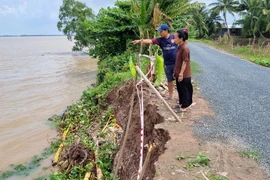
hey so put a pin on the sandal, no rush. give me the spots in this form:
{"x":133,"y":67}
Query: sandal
{"x":168,"y":98}
{"x":177,"y":110}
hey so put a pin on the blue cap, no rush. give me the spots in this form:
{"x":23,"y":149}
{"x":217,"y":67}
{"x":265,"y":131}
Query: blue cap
{"x":163,"y":27}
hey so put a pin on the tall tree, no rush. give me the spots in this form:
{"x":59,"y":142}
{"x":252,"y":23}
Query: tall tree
{"x":106,"y":34}
{"x":149,"y":14}
{"x":224,"y":7}
{"x":200,"y":16}
{"x":112,"y":30}
{"x":71,"y":14}
{"x":250,"y":18}
{"x":257,"y":14}
{"x":213,"y":23}
{"x":265,"y":15}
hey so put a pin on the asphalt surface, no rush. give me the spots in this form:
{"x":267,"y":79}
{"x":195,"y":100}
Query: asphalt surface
{"x":239,"y":94}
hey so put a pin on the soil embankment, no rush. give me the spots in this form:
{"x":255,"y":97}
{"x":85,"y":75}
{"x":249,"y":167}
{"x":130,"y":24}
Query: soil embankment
{"x":175,"y":145}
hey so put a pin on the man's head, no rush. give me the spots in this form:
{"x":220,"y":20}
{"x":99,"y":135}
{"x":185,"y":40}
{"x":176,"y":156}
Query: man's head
{"x":163,"y":30}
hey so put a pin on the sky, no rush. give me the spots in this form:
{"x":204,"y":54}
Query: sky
{"x":40,"y":17}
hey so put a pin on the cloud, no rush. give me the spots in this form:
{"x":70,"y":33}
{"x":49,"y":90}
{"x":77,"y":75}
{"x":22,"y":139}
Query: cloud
{"x":41,"y":16}
{"x":5,"y":11}
{"x":96,"y":5}
{"x":13,"y":9}
{"x":37,"y":16}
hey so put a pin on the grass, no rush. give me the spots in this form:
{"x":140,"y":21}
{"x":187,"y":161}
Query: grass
{"x":250,"y":154}
{"x":215,"y":177}
{"x":256,"y":55}
{"x":200,"y":161}
{"x":195,"y":68}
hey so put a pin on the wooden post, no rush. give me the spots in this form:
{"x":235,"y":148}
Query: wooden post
{"x":157,"y":93}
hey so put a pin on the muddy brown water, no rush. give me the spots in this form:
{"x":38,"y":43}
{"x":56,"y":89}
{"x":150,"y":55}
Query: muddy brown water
{"x":40,"y":77}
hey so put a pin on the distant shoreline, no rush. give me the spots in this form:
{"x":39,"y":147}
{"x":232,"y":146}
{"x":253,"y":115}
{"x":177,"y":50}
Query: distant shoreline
{"x":27,"y":35}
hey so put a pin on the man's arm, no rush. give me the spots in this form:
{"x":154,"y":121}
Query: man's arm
{"x":144,"y":41}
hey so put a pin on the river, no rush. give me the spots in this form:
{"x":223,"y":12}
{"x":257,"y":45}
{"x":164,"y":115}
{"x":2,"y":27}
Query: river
{"x":40,"y":77}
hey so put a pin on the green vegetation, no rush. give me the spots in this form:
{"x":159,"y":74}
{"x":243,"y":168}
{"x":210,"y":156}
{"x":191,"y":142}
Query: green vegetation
{"x":91,"y":110}
{"x":215,"y":177}
{"x":180,"y":157}
{"x":107,"y":35}
{"x":200,"y":160}
{"x":224,"y":7}
{"x":257,"y":55}
{"x":250,"y":153}
{"x":195,"y":68}
{"x":25,"y":169}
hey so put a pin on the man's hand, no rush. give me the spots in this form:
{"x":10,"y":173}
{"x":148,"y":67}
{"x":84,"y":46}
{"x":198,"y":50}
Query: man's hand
{"x":136,"y":41}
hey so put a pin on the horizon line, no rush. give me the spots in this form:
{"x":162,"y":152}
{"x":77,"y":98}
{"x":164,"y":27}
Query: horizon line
{"x":23,"y":35}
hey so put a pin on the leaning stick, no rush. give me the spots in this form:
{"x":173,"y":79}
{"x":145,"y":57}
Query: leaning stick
{"x":146,"y":161}
{"x":89,"y":173}
{"x":157,"y":93}
{"x":98,"y":169}
{"x":121,"y":151}
{"x":204,"y":175}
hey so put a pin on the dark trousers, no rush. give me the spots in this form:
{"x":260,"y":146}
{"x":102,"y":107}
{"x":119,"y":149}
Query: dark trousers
{"x":185,"y":92}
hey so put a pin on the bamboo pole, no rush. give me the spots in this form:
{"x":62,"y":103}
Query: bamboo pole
{"x":98,"y":169}
{"x":60,"y":148}
{"x":89,"y":173}
{"x":157,"y":93}
{"x":121,"y":151}
{"x":146,"y":161}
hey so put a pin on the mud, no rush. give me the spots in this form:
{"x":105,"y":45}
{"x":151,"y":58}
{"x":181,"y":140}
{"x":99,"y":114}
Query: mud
{"x":173,"y":139}
{"x":120,"y":99}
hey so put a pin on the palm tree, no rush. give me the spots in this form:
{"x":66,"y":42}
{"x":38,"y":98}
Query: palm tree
{"x":265,"y":15}
{"x":213,"y":23}
{"x":251,"y":18}
{"x":149,"y":14}
{"x":200,"y":16}
{"x":141,"y":16}
{"x":224,"y":6}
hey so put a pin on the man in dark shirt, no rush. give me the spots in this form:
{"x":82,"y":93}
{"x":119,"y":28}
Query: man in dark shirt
{"x":169,"y":50}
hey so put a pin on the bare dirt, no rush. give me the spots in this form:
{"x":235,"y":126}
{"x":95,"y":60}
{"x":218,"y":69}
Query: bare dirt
{"x":172,"y":140}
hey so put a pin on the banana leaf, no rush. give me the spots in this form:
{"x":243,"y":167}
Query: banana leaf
{"x":132,"y":67}
{"x":160,"y":73}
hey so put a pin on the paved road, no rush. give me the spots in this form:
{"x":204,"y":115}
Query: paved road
{"x":239,"y":93}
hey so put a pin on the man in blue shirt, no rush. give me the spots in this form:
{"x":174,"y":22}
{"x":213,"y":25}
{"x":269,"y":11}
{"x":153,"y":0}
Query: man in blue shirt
{"x":169,"y":50}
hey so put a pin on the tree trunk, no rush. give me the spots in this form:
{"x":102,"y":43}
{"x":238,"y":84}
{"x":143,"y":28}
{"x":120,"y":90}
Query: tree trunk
{"x":254,"y":39}
{"x":225,"y":19}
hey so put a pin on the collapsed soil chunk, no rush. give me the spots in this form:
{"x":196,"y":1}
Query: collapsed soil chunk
{"x":75,"y":155}
{"x":120,"y":98}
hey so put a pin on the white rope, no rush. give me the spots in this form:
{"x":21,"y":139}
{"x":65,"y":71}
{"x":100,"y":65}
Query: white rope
{"x":140,"y":97}
{"x":152,"y":63}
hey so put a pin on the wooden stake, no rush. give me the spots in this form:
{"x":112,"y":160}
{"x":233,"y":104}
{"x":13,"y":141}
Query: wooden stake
{"x":146,"y":161}
{"x":121,"y":151}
